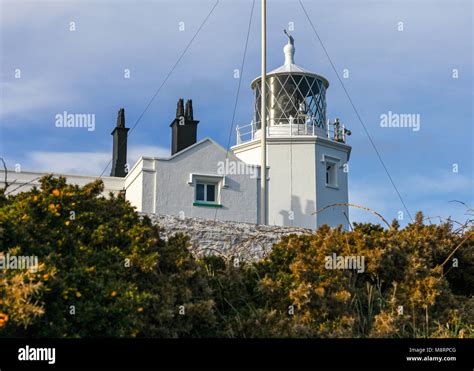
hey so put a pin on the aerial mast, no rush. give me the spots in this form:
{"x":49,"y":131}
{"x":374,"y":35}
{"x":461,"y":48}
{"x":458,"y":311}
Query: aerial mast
{"x":263,"y":118}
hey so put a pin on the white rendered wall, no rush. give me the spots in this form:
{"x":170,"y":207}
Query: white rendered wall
{"x":162,"y":185}
{"x":248,"y":152}
{"x":327,"y":195}
{"x":292,"y":184}
{"x":27,"y":180}
{"x":300,"y":190}
{"x":134,"y":184}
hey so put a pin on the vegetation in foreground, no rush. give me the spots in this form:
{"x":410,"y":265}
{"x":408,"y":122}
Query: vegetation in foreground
{"x":103,"y":271}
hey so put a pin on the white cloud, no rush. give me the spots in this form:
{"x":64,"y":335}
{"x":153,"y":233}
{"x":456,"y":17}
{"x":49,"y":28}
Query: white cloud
{"x":84,"y":163}
{"x":22,"y":97}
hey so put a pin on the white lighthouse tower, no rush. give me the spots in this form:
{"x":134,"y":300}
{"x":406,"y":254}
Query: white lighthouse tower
{"x":307,"y":157}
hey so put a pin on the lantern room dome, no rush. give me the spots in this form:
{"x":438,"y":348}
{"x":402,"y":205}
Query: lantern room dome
{"x":289,"y":66}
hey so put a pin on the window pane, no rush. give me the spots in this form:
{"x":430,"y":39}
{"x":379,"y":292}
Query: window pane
{"x":211,"y":193}
{"x":199,"y":192}
{"x":331,"y":170}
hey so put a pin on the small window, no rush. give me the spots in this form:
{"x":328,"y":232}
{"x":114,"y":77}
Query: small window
{"x":206,"y":192}
{"x":331,"y":175}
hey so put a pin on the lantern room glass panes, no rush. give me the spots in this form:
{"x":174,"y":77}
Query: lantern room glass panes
{"x":299,"y":98}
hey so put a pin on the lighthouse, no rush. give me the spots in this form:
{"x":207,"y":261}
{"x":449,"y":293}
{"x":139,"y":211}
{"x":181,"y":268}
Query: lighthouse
{"x":307,"y":155}
{"x":304,"y":181}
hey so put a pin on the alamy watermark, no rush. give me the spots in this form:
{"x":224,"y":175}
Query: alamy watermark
{"x":28,"y":353}
{"x":354,"y":262}
{"x":400,"y":120}
{"x":8,"y":261}
{"x":75,"y":120}
{"x":230,"y":167}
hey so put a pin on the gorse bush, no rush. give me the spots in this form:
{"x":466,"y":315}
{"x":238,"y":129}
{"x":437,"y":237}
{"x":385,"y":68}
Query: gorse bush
{"x":104,"y":271}
{"x":404,"y":291}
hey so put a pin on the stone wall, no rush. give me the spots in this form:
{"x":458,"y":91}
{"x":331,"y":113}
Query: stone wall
{"x":244,"y":241}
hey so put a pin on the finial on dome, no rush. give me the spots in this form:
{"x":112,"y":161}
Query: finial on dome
{"x":291,"y":40}
{"x":289,"y":49}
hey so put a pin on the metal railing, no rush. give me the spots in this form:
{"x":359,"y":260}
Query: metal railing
{"x":331,"y":131}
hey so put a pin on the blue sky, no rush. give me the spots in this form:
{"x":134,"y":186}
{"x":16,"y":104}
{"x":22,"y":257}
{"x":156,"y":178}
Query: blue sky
{"x":407,"y":72}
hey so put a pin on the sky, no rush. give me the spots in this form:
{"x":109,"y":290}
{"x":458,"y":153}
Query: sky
{"x":405,"y":57}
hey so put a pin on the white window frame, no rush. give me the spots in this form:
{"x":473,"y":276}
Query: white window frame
{"x":206,"y":184}
{"x":217,"y":180}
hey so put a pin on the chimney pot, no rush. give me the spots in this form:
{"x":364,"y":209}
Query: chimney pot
{"x":121,"y":118}
{"x":180,"y":108}
{"x":189,"y":109}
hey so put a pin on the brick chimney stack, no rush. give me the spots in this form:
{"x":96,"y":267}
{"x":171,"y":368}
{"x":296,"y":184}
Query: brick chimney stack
{"x":119,"y":154}
{"x":183,"y":127}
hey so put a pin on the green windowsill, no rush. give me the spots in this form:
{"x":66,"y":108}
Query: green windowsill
{"x":206,"y":204}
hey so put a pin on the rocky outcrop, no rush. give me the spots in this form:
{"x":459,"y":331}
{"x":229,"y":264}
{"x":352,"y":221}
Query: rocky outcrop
{"x":231,"y":240}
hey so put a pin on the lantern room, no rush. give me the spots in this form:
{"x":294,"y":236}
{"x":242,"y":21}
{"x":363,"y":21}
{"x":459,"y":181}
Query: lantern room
{"x":295,"y":101}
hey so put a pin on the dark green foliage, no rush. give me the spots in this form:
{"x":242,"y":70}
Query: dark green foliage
{"x":103,"y":271}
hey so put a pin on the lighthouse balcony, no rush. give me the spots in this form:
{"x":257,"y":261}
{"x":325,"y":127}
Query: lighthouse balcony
{"x":252,"y":131}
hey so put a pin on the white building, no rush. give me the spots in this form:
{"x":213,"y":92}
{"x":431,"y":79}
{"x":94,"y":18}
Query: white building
{"x":307,"y":161}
